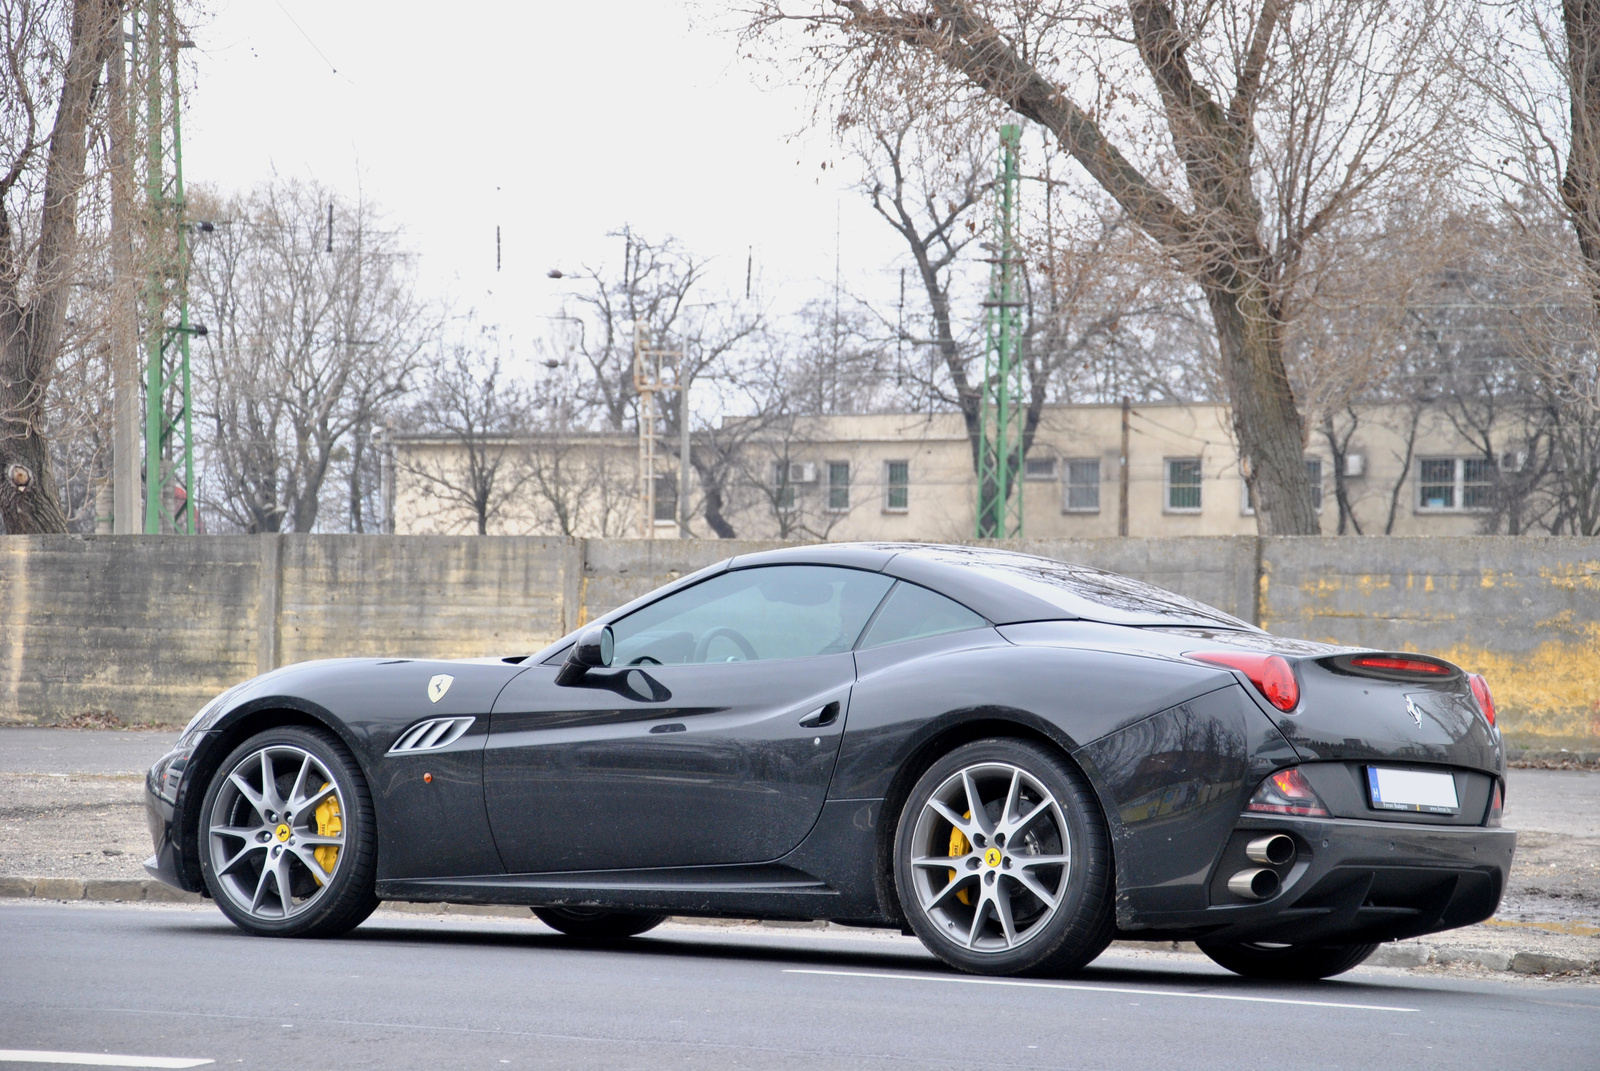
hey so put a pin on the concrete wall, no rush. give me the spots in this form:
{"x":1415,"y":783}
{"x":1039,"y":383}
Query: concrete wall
{"x":1524,"y":611}
{"x":149,"y":628}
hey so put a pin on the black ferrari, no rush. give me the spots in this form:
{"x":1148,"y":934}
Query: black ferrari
{"x":1014,"y":758}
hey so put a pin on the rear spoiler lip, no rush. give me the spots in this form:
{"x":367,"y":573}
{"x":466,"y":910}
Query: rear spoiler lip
{"x":1342,"y":665}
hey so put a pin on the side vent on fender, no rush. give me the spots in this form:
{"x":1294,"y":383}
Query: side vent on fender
{"x":431,"y":735}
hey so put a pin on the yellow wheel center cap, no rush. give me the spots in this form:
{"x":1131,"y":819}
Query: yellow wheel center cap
{"x":282,"y":832}
{"x":991,"y":857}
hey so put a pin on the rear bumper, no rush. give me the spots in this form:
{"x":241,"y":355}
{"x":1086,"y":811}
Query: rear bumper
{"x":1355,"y":881}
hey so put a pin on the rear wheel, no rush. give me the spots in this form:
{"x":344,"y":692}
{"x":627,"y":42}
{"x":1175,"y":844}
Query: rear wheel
{"x":288,"y":842}
{"x":1287,"y":963}
{"x":1002,"y":862}
{"x":595,"y":924}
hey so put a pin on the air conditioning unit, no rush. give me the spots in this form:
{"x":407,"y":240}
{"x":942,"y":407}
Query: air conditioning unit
{"x":802,"y":472}
{"x":1513,"y":460}
{"x":1355,"y":465}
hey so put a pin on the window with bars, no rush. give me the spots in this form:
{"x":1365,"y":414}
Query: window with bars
{"x":1183,"y":484}
{"x":838,"y":486}
{"x":897,"y":487}
{"x":1082,"y":493}
{"x":1039,"y":468}
{"x":1454,"y":483}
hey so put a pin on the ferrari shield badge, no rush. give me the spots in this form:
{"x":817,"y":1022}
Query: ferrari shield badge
{"x":439,"y":685}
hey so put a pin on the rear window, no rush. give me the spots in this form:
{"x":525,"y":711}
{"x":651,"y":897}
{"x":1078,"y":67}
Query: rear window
{"x":1091,"y":594}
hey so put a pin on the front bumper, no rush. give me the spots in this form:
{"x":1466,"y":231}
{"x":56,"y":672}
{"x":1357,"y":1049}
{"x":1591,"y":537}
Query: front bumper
{"x":1355,"y":881}
{"x":166,"y":793}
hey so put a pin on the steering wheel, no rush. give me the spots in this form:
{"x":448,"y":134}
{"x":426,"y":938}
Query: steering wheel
{"x":645,"y":660}
{"x":704,"y":646}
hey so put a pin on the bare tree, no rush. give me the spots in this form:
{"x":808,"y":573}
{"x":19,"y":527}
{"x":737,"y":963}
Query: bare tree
{"x":312,"y":330}
{"x":654,"y":298}
{"x":1234,"y":135}
{"x":470,"y":404}
{"x":52,"y":60}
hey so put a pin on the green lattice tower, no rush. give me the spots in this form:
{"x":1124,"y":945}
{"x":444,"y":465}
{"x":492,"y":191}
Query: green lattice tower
{"x":164,"y":330}
{"x":1002,"y":402}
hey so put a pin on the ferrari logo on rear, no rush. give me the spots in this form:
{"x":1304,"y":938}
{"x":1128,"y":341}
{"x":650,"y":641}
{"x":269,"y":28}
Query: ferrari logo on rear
{"x":1411,"y":708}
{"x":439,"y":685}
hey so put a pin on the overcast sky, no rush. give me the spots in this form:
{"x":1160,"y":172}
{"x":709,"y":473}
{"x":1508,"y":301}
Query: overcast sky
{"x":558,"y":122}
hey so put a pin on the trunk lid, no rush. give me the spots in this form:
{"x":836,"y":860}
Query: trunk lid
{"x":1352,"y":707}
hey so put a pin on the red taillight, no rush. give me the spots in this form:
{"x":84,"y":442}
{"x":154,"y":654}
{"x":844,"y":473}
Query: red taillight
{"x":1287,"y":792}
{"x":1401,"y":665}
{"x":1480,"y":692}
{"x":1271,"y":674}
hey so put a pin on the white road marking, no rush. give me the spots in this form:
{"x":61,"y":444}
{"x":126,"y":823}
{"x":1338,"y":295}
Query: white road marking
{"x":1100,"y":989}
{"x":94,"y":1059}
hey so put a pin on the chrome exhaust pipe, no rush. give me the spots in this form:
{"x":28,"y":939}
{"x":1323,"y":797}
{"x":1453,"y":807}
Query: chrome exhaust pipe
{"x":1254,"y":884}
{"x":1274,"y":849}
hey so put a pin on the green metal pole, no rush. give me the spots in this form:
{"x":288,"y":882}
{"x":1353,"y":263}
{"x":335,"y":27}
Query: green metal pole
{"x":1002,"y":390}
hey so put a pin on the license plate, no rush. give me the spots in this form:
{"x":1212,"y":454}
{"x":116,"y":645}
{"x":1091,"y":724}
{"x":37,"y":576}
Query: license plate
{"x":1412,"y":790}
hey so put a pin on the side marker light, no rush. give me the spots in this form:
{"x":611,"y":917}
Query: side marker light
{"x":427,"y":779}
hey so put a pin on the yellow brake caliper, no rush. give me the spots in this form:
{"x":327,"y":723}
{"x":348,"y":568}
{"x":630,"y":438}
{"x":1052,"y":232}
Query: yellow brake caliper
{"x":329,"y":824}
{"x":959,"y":846}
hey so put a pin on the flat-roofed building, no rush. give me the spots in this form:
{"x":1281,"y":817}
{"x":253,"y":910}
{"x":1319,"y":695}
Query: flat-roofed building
{"x":909,"y":476}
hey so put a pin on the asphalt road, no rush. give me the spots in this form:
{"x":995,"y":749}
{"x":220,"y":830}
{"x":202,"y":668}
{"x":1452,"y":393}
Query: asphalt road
{"x":405,"y":992}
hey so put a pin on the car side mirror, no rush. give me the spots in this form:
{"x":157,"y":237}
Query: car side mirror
{"x":592,"y":651}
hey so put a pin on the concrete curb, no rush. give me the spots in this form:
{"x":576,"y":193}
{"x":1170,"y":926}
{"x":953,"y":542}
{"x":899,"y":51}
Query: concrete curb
{"x":1405,"y":954}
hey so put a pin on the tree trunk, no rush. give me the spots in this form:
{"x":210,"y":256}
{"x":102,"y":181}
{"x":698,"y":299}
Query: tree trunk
{"x":711,"y":491}
{"x":30,"y":329}
{"x":1265,"y":420}
{"x":1580,"y":186}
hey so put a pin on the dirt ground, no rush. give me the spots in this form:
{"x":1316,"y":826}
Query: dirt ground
{"x":73,"y":826}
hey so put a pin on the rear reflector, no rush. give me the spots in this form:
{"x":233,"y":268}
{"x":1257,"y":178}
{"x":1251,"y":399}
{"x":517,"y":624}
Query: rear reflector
{"x":1287,"y":792}
{"x":1480,"y":692}
{"x":1400,"y":664}
{"x":1271,"y":674}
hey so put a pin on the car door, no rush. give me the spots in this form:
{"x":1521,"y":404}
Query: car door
{"x":711,"y":739}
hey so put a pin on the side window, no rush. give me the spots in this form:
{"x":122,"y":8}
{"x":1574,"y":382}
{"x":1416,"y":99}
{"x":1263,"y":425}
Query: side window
{"x":912,"y":613}
{"x":779,"y":611}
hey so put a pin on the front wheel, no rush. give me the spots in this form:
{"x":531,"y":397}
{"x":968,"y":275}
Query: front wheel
{"x":595,"y":924}
{"x":1285,"y":963}
{"x":288,"y":842}
{"x":1002,"y":861}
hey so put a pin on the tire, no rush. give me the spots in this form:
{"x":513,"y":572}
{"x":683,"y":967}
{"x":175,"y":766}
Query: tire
{"x":299,"y":859}
{"x":1286,"y":963}
{"x":594,"y":924}
{"x":1045,"y":806}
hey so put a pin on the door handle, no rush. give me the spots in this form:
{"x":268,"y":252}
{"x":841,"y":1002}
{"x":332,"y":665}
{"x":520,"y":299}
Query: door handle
{"x":823,"y":715}
{"x":670,"y":727}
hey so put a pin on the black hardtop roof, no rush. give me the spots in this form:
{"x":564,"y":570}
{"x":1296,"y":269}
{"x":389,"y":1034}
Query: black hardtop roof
{"x":1007,"y":586}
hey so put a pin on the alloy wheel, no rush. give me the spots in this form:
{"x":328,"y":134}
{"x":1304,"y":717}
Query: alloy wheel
{"x":275,"y":832}
{"x":991,"y":857}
